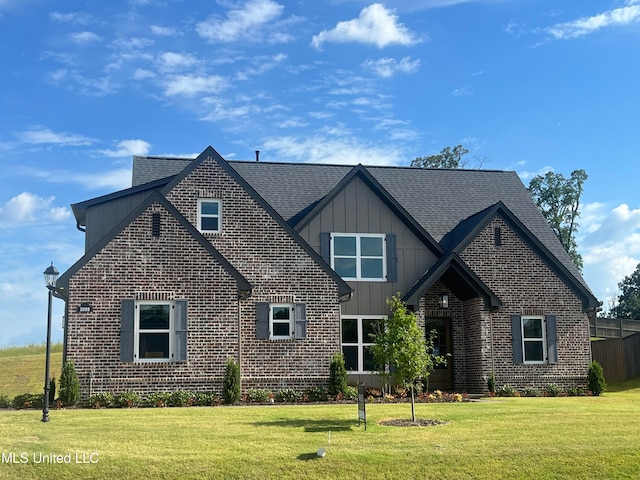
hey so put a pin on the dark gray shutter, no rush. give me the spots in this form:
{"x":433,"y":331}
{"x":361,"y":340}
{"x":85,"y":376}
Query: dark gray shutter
{"x":180,"y":327}
{"x":552,"y":339}
{"x":300,"y":316}
{"x":516,"y":338}
{"x":127,"y":320}
{"x":392,"y":258}
{"x":263,"y":321}
{"x":325,"y":247}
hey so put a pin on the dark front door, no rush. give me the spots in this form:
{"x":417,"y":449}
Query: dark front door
{"x":442,"y":377}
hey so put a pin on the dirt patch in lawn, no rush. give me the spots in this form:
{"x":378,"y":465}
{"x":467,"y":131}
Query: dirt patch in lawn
{"x":405,"y":422}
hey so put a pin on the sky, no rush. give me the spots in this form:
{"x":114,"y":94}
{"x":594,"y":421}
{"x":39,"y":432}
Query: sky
{"x":526,"y":85}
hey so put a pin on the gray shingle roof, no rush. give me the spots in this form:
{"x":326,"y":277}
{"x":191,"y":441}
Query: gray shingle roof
{"x":438,"y":199}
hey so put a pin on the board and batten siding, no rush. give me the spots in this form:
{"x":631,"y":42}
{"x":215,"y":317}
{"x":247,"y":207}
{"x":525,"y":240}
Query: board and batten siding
{"x":358,"y":209}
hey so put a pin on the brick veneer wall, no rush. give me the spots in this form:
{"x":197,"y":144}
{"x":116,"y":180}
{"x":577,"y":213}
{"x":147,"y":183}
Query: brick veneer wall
{"x":134,"y":265}
{"x":280,"y":272}
{"x":526,"y":285}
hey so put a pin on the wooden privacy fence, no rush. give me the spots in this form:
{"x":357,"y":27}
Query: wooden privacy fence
{"x":613,"y":327}
{"x":619,"y":357}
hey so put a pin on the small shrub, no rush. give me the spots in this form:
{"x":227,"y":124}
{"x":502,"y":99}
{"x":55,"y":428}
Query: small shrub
{"x":491,"y":383}
{"x":101,"y":400}
{"x":181,"y":398}
{"x":552,"y":390}
{"x":127,"y":400}
{"x":5,"y":401}
{"x":316,"y":394}
{"x":288,"y":395}
{"x":158,"y":399}
{"x":259,"y":395}
{"x":205,"y":399}
{"x":350,"y":393}
{"x":28,"y":400}
{"x":231,"y":382}
{"x":595,"y":378}
{"x":531,"y":392}
{"x":337,"y":375}
{"x":69,"y":385}
{"x":506,"y":391}
{"x":576,"y":392}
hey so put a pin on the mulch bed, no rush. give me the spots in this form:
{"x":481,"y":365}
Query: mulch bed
{"x":420,"y":422}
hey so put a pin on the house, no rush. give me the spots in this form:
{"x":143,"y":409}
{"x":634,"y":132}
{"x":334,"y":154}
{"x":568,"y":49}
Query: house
{"x":281,"y":265}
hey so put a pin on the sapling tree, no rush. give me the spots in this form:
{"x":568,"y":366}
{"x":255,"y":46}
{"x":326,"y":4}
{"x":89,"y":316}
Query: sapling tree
{"x":402,"y":351}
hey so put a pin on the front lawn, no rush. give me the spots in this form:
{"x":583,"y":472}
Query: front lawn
{"x":573,"y":437}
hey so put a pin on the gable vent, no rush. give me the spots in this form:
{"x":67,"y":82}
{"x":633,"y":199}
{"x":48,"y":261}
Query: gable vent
{"x":155,"y":225}
{"x":497,"y":236}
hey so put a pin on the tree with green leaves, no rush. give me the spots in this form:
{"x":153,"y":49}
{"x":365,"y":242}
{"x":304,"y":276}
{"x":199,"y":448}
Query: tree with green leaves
{"x":401,"y":346}
{"x":558,"y":198}
{"x":628,"y":305}
{"x":69,"y":391}
{"x":447,"y":158}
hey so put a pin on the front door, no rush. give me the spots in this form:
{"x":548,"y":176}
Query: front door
{"x":442,"y":376}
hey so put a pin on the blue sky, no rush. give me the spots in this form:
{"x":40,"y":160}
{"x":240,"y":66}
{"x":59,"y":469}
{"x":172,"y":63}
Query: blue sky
{"x":525,"y":85}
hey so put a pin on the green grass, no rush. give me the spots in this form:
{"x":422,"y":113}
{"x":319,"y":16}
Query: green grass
{"x":542,"y":438}
{"x":22,"y":368}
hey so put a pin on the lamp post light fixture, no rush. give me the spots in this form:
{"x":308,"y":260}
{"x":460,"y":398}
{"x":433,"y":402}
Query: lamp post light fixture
{"x":50,"y":278}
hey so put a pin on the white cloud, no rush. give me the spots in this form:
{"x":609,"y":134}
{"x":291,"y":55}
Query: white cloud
{"x":462,"y":92}
{"x":76,"y":18}
{"x":192,"y":85}
{"x":525,"y":175}
{"x":85,"y":38}
{"x":388,"y":67}
{"x":242,"y":22}
{"x":27,"y":208}
{"x":376,"y":25}
{"x":128,"y":148}
{"x":176,"y":61}
{"x":334,"y":145}
{"x":626,"y":15}
{"x":39,"y":135}
{"x":609,"y":243}
{"x":261,"y":65}
{"x":142,"y":74}
{"x":111,"y":180}
{"x":163,"y":31}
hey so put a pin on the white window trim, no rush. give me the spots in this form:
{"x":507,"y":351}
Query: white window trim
{"x":137,"y":331}
{"x":542,"y":339}
{"x":359,"y":258}
{"x":291,"y":322}
{"x":201,"y":216}
{"x":361,"y":343}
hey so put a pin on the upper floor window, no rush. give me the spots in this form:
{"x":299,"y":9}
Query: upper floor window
{"x":360,"y":256}
{"x":209,"y":215}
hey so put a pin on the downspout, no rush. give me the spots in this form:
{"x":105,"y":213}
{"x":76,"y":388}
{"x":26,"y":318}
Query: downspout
{"x":242,"y":295}
{"x":79,"y":227}
{"x":59,"y":293}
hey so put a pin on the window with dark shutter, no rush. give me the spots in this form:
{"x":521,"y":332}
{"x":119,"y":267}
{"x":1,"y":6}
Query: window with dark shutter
{"x":516,"y":338}
{"x":180,"y":327}
{"x":127,"y":326}
{"x":392,"y":258}
{"x":300,"y":315}
{"x":262,"y":317}
{"x":552,"y":339}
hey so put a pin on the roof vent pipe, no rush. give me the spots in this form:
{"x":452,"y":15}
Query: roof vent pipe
{"x":257,"y":155}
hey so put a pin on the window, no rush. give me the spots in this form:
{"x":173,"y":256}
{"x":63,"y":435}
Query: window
{"x":153,"y":331}
{"x":356,"y":342}
{"x":209,"y":215}
{"x":533,"y":343}
{"x":359,"y":256}
{"x":281,"y":321}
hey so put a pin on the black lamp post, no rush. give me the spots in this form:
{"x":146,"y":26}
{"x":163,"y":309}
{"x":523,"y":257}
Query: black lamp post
{"x":50,"y":277}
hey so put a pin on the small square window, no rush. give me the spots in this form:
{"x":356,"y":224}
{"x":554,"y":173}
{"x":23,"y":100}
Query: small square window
{"x":209,"y":215}
{"x":281,"y":320}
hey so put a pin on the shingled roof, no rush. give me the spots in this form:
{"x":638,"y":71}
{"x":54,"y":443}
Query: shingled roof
{"x":438,"y":199}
